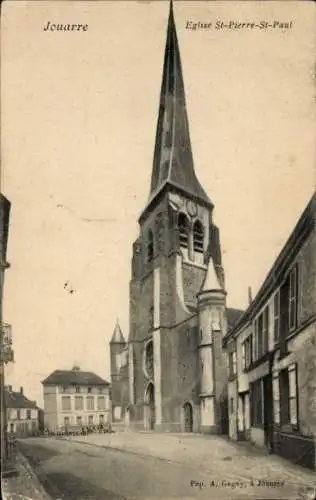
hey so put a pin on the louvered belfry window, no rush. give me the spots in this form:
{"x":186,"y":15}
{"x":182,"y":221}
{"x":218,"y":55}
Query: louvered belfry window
{"x":198,"y":237}
{"x":183,"y":225}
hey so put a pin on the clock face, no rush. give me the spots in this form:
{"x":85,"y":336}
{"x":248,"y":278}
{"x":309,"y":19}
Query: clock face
{"x":192,"y":208}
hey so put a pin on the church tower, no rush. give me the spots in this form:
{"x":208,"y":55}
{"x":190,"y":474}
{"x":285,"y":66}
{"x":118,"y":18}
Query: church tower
{"x":177,"y":237}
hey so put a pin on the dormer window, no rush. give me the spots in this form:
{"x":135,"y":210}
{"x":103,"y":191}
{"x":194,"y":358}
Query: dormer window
{"x":198,"y":237}
{"x":183,"y":225}
{"x":150,"y":246}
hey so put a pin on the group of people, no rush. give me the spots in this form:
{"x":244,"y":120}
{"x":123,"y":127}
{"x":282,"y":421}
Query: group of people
{"x":79,"y":431}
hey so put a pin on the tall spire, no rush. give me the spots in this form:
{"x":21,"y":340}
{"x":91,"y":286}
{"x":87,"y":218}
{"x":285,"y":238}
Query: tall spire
{"x":173,"y":159}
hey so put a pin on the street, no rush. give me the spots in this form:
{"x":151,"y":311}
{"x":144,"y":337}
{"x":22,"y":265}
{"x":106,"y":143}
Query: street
{"x":150,"y":466}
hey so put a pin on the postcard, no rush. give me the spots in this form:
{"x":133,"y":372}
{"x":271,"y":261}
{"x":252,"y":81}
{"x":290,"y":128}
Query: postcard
{"x":158,"y":249}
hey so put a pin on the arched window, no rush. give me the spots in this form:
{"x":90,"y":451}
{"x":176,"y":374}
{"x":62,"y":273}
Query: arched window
{"x":183,"y":225}
{"x":198,"y":237}
{"x":150,"y":246}
{"x":149,"y":359}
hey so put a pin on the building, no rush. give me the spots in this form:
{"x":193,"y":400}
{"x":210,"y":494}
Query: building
{"x":6,"y":353}
{"x":272,"y":354}
{"x":75,"y":398}
{"x":22,"y":414}
{"x":170,"y":374}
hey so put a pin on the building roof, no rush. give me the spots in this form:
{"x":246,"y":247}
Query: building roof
{"x":173,"y":158}
{"x":117,"y":337}
{"x":18,"y":400}
{"x":73,"y":377}
{"x":233,"y":316}
{"x":300,"y":233}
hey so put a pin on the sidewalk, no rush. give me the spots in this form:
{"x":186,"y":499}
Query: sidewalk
{"x":24,"y":486}
{"x":212,"y":454}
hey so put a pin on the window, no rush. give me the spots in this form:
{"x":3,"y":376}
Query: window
{"x":276,"y":398}
{"x":101,"y":419}
{"x":77,"y":388}
{"x":64,"y":389}
{"x":101,"y":390}
{"x":261,"y":334}
{"x":183,"y":225}
{"x":28,"y":414}
{"x":78,"y":403}
{"x":18,"y":416}
{"x":265,"y":330}
{"x":288,"y":307}
{"x":101,"y":403}
{"x":247,"y":353}
{"x":90,"y":419}
{"x":151,"y":317}
{"x":288,"y":396}
{"x":89,"y":390}
{"x":243,"y":355}
{"x":257,"y":403}
{"x":66,"y":421}
{"x":276,"y":301}
{"x":150,"y":246}
{"x":65,"y":403}
{"x":293,"y":407}
{"x":255,"y":342}
{"x":79,"y":420}
{"x":232,"y":363}
{"x":293,"y":298}
{"x":90,"y":403}
{"x":13,"y":414}
{"x":198,"y":237}
{"x":231,"y":405}
{"x":149,"y":359}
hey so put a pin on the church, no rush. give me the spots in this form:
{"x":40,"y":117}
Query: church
{"x":170,"y":373}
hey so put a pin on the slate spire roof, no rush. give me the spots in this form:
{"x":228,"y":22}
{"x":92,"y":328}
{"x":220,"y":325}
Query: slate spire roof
{"x":173,"y":159}
{"x":117,"y":337}
{"x":211,"y":280}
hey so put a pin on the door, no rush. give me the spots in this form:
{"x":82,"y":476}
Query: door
{"x":268,"y":412}
{"x":150,"y":400}
{"x":241,"y":418}
{"x":188,"y":417}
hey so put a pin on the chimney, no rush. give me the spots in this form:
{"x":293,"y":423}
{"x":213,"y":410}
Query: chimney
{"x":249,"y":295}
{"x":21,"y":390}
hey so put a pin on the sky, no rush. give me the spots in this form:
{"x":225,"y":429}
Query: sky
{"x":78,"y":120}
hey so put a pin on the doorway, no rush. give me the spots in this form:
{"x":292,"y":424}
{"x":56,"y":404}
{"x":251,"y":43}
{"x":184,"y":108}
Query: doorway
{"x":188,"y":417}
{"x":150,"y":403}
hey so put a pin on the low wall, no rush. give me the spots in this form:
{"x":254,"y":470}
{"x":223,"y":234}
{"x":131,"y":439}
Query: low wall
{"x":298,"y":449}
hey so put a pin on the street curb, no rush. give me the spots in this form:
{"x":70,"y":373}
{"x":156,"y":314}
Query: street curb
{"x":31,"y":474}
